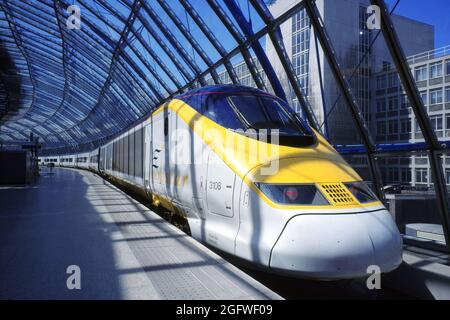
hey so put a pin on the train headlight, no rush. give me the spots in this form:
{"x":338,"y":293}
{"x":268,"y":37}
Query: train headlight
{"x":298,"y":194}
{"x":361,"y":192}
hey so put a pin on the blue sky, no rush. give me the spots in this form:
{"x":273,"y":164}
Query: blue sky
{"x":434,"y":12}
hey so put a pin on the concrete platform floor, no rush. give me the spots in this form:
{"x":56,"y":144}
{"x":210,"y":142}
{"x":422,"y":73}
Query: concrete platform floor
{"x":123,"y":250}
{"x":424,"y":274}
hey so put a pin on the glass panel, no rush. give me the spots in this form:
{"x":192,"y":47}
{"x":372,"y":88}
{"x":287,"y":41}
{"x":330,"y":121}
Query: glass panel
{"x":362,"y":192}
{"x":314,"y":77}
{"x":360,"y":164}
{"x":427,"y":58}
{"x":427,"y":52}
{"x":411,"y":196}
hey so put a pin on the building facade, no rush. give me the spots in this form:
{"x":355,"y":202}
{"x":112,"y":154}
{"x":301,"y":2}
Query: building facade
{"x":242,"y":72}
{"x":394,"y":122}
{"x":346,"y":24}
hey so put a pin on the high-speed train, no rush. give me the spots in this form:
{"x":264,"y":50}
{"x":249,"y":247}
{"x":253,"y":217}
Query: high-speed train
{"x":252,"y":179}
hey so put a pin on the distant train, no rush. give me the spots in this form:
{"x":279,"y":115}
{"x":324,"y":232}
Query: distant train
{"x":299,"y":209}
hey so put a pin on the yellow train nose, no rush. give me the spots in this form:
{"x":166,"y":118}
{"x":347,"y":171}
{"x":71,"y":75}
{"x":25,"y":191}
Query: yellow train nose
{"x":330,"y":177}
{"x":305,"y":170}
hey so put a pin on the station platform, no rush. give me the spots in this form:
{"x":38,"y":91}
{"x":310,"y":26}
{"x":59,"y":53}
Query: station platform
{"x":424,"y":274}
{"x":124,"y":250}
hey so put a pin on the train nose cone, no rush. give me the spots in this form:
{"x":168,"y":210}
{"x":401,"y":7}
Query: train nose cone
{"x":338,"y":246}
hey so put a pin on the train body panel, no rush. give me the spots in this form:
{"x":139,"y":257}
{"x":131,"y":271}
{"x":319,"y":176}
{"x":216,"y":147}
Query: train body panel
{"x":343,"y":247}
{"x":295,"y":207}
{"x":67,"y":160}
{"x":93,"y":160}
{"x":112,"y":162}
{"x":50,"y":159}
{"x":185,"y":171}
{"x":82,"y":160}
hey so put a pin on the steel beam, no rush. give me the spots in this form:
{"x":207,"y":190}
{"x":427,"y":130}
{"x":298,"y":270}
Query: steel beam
{"x":218,"y":10}
{"x":257,"y":48}
{"x":173,"y":40}
{"x":277,"y":41}
{"x":209,"y":35}
{"x":187,"y":34}
{"x":329,"y":52}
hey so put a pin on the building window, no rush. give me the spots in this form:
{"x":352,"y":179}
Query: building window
{"x":404,"y":102}
{"x":421,"y":175}
{"x":300,"y":41}
{"x":393,"y":126}
{"x":406,"y":174}
{"x":381,"y":128}
{"x":386,"y":65}
{"x":447,"y":94}
{"x":393,"y":103}
{"x":447,"y":67}
{"x":300,"y":48}
{"x":421,"y":73}
{"x":381,"y":105}
{"x":393,"y":80}
{"x":381,"y":82}
{"x":436,"y":70}
{"x":300,"y":20}
{"x":447,"y":176}
{"x":417,"y":126}
{"x":424,"y":97}
{"x":393,"y":174}
{"x":436,"y":123}
{"x":447,"y":120}
{"x":405,"y":125}
{"x":436,"y":96}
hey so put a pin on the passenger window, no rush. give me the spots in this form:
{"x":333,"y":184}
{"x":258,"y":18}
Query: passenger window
{"x":166,"y":126}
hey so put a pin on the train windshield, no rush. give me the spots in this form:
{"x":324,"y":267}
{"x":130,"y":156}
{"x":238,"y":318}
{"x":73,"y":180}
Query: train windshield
{"x":261,"y":112}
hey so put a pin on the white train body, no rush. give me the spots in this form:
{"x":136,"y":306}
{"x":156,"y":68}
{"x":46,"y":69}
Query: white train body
{"x":175,"y":159}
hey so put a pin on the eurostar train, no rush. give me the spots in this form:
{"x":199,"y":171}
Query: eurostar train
{"x":284,"y":200}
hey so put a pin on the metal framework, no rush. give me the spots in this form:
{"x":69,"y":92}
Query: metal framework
{"x":81,"y":87}
{"x":435,"y":149}
{"x":344,"y":85}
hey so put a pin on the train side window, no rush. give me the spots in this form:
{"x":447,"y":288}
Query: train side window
{"x":166,"y":125}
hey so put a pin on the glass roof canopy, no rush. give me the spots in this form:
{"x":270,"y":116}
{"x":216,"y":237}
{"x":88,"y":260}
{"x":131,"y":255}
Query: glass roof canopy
{"x":81,"y":86}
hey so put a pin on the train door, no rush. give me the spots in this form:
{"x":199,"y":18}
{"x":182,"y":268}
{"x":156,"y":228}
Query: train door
{"x":222,"y":217}
{"x":98,"y":154}
{"x":160,"y":177}
{"x":147,"y":163}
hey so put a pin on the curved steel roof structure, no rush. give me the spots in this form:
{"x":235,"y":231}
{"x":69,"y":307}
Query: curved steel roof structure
{"x":76,"y":83}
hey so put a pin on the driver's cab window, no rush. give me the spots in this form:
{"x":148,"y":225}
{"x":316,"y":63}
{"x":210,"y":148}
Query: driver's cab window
{"x":217,"y":108}
{"x":262,"y":112}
